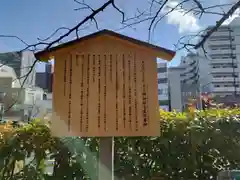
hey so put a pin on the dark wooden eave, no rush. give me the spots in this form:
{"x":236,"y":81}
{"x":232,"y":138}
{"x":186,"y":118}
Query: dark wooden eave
{"x":170,"y":53}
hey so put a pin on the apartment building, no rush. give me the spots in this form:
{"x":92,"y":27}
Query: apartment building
{"x":163,"y":91}
{"x":22,"y":63}
{"x":223,"y":52}
{"x":214,"y":70}
{"x":188,"y":81}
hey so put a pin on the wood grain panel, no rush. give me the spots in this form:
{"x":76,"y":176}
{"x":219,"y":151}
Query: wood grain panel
{"x":135,"y":94}
{"x":65,"y":91}
{"x":107,"y":94}
{"x":75,"y":123}
{"x":119,"y":124}
{"x":92,"y":96}
{"x":82,"y":92}
{"x":126,"y":92}
{"x":111,"y":95}
{"x":139,"y":120}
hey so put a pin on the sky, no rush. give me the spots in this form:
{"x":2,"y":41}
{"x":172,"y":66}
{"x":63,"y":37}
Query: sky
{"x":33,"y":19}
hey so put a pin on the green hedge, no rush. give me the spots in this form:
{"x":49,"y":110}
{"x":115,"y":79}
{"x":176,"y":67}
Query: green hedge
{"x":195,"y":145}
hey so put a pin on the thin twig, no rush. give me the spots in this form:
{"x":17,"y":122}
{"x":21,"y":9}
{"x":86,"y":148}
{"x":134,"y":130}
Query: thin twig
{"x":218,"y":24}
{"x":86,"y":6}
{"x":119,"y":10}
{"x":55,"y":32}
{"x":199,"y":5}
{"x":154,"y":18}
{"x":11,"y":36}
{"x":25,"y":79}
{"x":75,"y":28}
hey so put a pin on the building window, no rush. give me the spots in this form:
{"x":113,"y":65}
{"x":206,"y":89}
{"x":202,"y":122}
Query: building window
{"x":160,"y":91}
{"x":14,"y":95}
{"x":187,"y":94}
{"x":166,"y":91}
{"x":223,"y":29}
{"x":221,"y":56}
{"x":163,"y":91}
{"x":162,"y":80}
{"x":38,"y":97}
{"x":163,"y":102}
{"x":162,"y":69}
{"x":222,"y":47}
{"x":44,"y":96}
{"x":219,"y":38}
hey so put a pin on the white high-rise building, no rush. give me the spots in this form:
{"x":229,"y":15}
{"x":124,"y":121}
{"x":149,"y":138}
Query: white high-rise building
{"x":22,"y":63}
{"x":223,"y":52}
{"x":163,"y":93}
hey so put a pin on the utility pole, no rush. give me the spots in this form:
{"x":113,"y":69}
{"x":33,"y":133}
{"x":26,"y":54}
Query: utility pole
{"x":2,"y":105}
{"x":29,"y":116}
{"x":1,"y":111}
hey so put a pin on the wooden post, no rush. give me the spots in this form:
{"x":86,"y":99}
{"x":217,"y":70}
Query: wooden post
{"x":106,"y":157}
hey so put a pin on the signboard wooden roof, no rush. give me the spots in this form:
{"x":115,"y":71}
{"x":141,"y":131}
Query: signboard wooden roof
{"x":105,"y":84}
{"x":159,"y":51}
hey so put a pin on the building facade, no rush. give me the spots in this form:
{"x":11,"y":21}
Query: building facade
{"x":223,"y":52}
{"x":22,"y":63}
{"x":175,"y":91}
{"x":8,"y":77}
{"x":44,"y":80}
{"x":214,"y":71}
{"x":44,"y":106}
{"x":188,"y":81}
{"x":16,"y":101}
{"x":163,"y":91}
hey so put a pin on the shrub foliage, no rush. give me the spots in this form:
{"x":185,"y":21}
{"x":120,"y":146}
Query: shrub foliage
{"x":193,"y":145}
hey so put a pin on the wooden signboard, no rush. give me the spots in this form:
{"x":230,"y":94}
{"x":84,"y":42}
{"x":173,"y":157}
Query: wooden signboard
{"x":106,"y":86}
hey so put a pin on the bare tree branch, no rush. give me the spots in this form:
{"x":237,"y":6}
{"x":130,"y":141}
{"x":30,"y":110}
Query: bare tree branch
{"x":85,"y":6}
{"x":96,"y":23}
{"x":154,"y":18}
{"x":151,"y":5}
{"x":16,"y":37}
{"x":188,"y":45}
{"x":55,"y":32}
{"x":119,"y":10}
{"x":179,"y":5}
{"x":75,"y":28}
{"x":25,"y":79}
{"x":199,"y":5}
{"x":218,"y":24}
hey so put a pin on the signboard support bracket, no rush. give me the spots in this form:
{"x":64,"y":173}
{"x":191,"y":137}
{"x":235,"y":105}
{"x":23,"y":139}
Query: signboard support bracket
{"x":106,"y":158}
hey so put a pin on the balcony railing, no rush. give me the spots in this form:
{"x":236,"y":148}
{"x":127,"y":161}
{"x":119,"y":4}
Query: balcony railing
{"x":221,"y":70}
{"x":223,"y":79}
{"x":225,"y":89}
{"x":217,"y":42}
